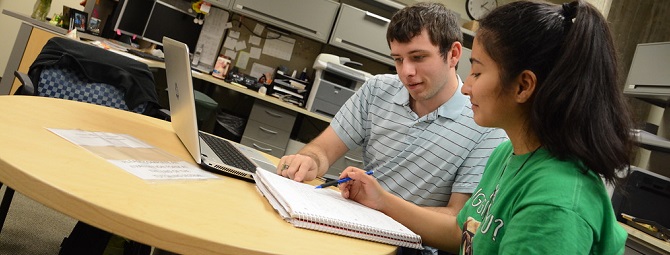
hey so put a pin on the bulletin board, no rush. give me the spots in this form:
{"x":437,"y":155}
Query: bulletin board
{"x":257,"y":47}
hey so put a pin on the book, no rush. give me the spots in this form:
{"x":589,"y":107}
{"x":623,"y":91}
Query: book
{"x":326,"y":210}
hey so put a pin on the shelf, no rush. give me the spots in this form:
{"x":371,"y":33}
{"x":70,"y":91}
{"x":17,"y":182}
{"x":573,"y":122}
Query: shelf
{"x":663,"y":102}
{"x":648,"y":79}
{"x":651,"y":142}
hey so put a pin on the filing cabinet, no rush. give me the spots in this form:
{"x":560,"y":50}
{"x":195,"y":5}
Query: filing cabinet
{"x":223,"y":4}
{"x":310,"y":18}
{"x":267,"y":133}
{"x":351,"y":158}
{"x":362,"y":32}
{"x":268,"y":128}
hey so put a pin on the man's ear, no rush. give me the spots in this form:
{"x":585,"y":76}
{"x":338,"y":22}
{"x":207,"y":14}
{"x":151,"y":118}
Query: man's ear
{"x":456,"y":50}
{"x":525,"y":87}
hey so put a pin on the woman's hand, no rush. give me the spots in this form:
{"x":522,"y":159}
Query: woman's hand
{"x":363,"y":188}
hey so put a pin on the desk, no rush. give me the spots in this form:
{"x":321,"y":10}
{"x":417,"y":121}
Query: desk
{"x":223,"y":216}
{"x":33,"y":34}
{"x":646,"y":240}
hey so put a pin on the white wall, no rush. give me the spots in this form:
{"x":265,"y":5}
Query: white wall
{"x":9,"y":26}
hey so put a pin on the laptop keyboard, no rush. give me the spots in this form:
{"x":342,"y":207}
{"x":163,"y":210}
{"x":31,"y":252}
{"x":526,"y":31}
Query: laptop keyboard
{"x":228,"y":153}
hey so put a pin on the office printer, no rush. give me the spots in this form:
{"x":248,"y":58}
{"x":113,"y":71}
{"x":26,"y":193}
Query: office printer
{"x":644,"y":195}
{"x":333,"y":84}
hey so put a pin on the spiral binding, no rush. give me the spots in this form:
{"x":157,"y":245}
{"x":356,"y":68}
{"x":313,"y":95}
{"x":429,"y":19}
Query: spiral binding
{"x":325,"y":224}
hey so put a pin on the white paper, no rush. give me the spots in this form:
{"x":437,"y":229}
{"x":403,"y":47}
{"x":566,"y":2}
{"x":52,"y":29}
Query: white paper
{"x":133,"y":155}
{"x":242,"y":60}
{"x":230,"y":43}
{"x":231,"y":54}
{"x":259,"y":29}
{"x":241,"y":45}
{"x":281,"y":47}
{"x":101,"y":139}
{"x":234,"y":34}
{"x":229,"y":25}
{"x":211,"y":36}
{"x":255,"y":53}
{"x":255,"y":40}
{"x":257,"y":70}
{"x":271,"y":198}
{"x":205,"y":7}
{"x":162,"y":170}
{"x":211,"y":42}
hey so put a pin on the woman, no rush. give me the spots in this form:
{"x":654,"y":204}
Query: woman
{"x":547,"y":75}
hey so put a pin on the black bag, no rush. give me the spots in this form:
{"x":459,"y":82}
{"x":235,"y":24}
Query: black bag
{"x":86,"y":239}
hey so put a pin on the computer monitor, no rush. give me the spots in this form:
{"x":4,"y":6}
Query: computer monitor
{"x":151,"y":20}
{"x":133,"y":16}
{"x":166,"y":20}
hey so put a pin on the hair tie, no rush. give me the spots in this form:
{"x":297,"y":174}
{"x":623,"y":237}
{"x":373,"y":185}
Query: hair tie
{"x":569,"y":12}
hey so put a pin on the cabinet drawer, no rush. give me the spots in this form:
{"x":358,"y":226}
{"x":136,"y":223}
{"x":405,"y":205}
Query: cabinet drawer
{"x":269,"y":149}
{"x":333,"y":93}
{"x":352,"y":158}
{"x":311,"y":18}
{"x":274,"y":116}
{"x":325,"y":108}
{"x":266,"y":133}
{"x":362,"y":32}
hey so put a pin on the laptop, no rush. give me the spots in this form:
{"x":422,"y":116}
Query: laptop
{"x":213,"y":153}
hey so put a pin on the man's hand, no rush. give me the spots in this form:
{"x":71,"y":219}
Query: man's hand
{"x":314,"y":159}
{"x":298,"y":167}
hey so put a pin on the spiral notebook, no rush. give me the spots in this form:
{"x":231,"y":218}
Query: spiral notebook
{"x":326,"y":210}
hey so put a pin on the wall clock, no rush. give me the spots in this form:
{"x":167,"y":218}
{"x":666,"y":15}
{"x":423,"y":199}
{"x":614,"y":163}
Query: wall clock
{"x":476,"y":9}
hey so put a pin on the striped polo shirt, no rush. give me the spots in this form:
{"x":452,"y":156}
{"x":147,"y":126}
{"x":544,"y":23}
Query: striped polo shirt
{"x":421,"y":159}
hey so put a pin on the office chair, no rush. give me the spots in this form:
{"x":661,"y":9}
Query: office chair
{"x":72,"y":70}
{"x":78,"y":71}
{"x":65,"y":83}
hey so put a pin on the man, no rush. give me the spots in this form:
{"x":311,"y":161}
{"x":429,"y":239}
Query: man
{"x":416,"y":128}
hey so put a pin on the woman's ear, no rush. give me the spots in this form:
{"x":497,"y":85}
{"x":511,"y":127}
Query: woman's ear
{"x":526,"y":83}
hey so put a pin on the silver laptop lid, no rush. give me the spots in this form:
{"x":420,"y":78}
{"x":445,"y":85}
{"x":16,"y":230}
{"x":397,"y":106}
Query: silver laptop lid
{"x":180,"y":91}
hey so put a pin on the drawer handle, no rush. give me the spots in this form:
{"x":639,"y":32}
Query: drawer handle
{"x":352,"y":159}
{"x":273,"y":114}
{"x":267,"y":130}
{"x":370,"y":14}
{"x":261,"y":148}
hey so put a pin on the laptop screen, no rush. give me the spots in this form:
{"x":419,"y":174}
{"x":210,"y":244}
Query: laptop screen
{"x":180,"y":91}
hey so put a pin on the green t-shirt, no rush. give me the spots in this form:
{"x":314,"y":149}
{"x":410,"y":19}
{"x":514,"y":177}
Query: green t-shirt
{"x":537,"y":204}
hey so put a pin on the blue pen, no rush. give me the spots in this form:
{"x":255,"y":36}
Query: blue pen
{"x":340,"y":181}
